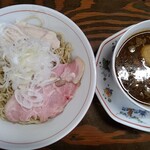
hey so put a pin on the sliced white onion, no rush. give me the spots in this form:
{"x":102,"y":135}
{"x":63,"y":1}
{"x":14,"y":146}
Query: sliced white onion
{"x":27,"y":64}
{"x":22,"y":101}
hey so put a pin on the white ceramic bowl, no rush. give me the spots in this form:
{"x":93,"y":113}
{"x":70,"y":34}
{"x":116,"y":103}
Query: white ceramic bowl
{"x":142,"y":26}
{"x":16,"y":136}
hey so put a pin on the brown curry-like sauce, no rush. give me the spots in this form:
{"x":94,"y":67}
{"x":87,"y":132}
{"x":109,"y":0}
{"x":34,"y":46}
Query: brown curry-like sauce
{"x":133,"y":67}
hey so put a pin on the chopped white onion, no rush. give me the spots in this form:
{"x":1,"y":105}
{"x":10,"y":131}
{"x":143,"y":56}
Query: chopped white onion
{"x":27,"y":64}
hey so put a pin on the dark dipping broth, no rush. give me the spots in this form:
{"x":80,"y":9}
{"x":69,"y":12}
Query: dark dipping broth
{"x":133,"y":67}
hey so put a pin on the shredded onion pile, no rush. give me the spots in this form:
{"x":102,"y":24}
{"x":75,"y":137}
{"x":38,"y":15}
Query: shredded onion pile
{"x":27,"y":65}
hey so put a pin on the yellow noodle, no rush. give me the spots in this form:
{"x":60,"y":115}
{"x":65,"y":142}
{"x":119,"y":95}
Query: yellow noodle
{"x":65,"y":50}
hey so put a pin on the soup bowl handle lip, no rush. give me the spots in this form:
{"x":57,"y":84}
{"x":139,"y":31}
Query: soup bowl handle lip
{"x":139,"y":27}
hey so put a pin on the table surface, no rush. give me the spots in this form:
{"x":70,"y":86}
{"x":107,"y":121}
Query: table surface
{"x":98,"y":19}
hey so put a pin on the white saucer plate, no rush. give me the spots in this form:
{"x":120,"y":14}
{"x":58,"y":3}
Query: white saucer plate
{"x":118,"y":107}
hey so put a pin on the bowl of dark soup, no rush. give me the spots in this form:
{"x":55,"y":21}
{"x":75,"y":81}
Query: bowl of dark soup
{"x":131,"y":64}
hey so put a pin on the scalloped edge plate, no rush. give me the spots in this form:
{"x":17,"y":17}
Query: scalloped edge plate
{"x":118,"y":107}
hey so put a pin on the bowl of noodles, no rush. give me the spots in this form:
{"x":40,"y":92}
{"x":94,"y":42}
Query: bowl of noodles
{"x":46,"y":64}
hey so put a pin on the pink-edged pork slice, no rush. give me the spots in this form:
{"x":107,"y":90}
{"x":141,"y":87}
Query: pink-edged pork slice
{"x":56,"y":95}
{"x":55,"y":100}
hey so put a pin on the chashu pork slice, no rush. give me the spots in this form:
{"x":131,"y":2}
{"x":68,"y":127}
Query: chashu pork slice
{"x":56,"y":96}
{"x":40,"y":33}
